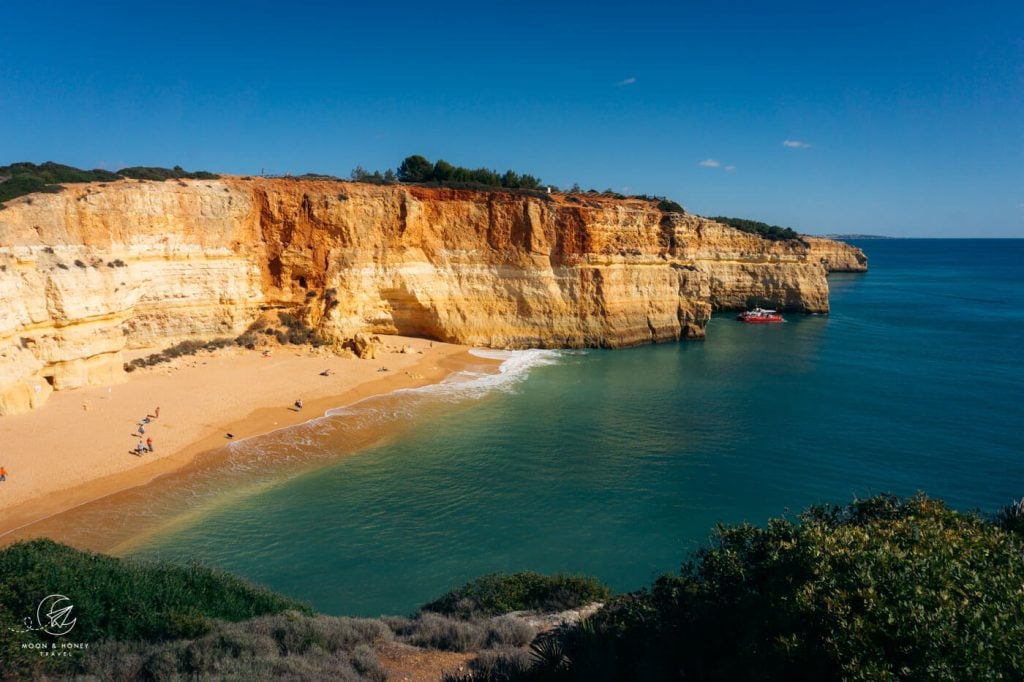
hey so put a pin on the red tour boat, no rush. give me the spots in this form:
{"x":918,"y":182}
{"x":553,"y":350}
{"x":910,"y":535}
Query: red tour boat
{"x":759,"y":315}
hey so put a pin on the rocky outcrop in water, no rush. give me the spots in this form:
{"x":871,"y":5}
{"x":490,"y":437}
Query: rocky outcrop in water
{"x":99,"y":268}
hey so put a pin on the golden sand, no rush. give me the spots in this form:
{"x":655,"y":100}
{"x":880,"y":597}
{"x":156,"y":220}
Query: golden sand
{"x":80,"y":447}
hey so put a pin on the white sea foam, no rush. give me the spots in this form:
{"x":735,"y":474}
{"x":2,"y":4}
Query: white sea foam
{"x":300,"y":441}
{"x":515,"y":366}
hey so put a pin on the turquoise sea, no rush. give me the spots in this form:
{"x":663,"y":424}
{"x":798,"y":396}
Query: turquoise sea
{"x":618,"y":463}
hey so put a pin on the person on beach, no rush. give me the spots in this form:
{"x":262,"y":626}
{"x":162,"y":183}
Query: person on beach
{"x":3,"y":474}
{"x":156,"y":412}
{"x":298,"y":404}
{"x":139,"y":448}
{"x":149,"y":444}
{"x":142,"y":430}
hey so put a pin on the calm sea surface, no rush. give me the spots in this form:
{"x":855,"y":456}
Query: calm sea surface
{"x":617,"y":463}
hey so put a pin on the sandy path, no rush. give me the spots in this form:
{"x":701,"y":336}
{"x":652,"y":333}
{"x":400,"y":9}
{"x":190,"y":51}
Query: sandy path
{"x":79,"y":446}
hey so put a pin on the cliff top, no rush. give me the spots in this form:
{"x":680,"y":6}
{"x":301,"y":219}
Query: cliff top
{"x":20,"y":180}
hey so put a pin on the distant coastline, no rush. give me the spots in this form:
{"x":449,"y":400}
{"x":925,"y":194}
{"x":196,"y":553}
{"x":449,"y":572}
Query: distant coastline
{"x":857,"y":236}
{"x":851,"y":237}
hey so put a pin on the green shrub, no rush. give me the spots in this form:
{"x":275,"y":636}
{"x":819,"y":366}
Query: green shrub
{"x":499,"y":593}
{"x":122,"y":599}
{"x":157,"y":173}
{"x":360,"y":174}
{"x":296,"y":331}
{"x":19,"y":179}
{"x":315,"y":176}
{"x":247,"y":339}
{"x":20,"y":185}
{"x":880,"y":589}
{"x":669,"y":206}
{"x":1011,"y":517}
{"x":185,"y":348}
{"x":770,"y":232}
{"x":290,"y":321}
{"x":416,"y":168}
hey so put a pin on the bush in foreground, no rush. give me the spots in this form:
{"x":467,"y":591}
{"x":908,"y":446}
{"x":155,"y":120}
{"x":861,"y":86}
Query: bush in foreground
{"x":153,"y":620}
{"x":289,"y":645}
{"x":499,"y":593}
{"x":880,"y":589}
{"x":121,"y":599}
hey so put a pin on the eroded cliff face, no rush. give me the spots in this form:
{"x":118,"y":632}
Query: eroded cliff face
{"x":99,"y":268}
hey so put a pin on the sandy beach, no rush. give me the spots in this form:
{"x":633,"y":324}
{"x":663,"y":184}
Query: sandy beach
{"x":80,"y":446}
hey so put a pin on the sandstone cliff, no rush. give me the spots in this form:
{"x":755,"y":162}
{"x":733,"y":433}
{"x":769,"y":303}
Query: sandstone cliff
{"x":102,"y":267}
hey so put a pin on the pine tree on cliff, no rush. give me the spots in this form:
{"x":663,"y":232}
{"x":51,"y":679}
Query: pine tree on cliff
{"x":415,"y":168}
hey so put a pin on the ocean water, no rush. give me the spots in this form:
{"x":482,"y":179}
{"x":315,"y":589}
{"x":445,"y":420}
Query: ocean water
{"x":618,"y":463}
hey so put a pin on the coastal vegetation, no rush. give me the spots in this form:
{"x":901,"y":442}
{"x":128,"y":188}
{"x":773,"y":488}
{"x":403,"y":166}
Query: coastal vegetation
{"x":772,"y":232}
{"x":417,"y":168}
{"x":152,"y":620}
{"x":156,"y":173}
{"x":360,"y":174}
{"x":185,"y":348}
{"x":19,"y":179}
{"x":669,"y":206}
{"x":23,"y":178}
{"x":286,"y":329}
{"x":123,"y":600}
{"x":881,"y":588}
{"x":498,"y":593}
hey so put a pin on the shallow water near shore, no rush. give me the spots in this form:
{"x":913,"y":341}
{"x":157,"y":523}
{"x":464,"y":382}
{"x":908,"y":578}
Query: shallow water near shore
{"x":618,"y":463}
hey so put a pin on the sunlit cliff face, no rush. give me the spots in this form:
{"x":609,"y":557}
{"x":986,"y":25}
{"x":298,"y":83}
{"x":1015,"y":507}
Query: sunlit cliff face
{"x":97,"y":268}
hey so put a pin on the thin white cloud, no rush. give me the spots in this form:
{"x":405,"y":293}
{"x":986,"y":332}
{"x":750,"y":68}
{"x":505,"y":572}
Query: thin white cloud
{"x":627,"y":81}
{"x":709,"y":163}
{"x":730,"y":169}
{"x":796,"y":144}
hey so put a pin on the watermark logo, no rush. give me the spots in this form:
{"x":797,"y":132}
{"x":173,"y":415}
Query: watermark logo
{"x":53,"y":616}
{"x":56,"y":610}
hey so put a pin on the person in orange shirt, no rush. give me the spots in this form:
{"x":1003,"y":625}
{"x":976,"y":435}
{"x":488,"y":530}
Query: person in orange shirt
{"x":3,"y":474}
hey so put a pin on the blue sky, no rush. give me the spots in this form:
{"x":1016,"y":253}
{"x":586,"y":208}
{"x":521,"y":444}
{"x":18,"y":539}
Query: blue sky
{"x":902,"y":118}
